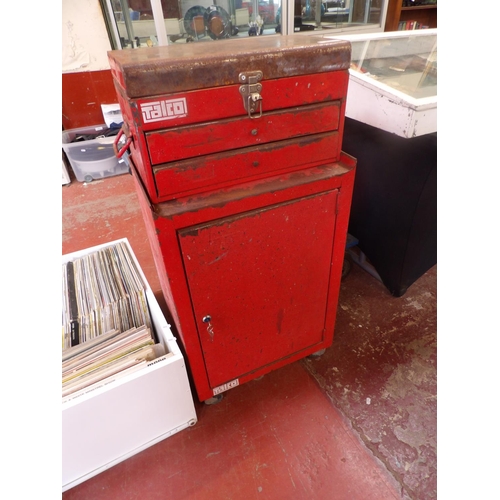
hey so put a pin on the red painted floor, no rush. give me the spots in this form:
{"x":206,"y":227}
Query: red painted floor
{"x":357,"y":423}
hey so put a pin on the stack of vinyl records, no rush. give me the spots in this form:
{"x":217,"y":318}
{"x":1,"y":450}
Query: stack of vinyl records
{"x":106,"y":327}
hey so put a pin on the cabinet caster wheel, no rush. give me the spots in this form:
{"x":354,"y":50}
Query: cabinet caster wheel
{"x":346,"y":267}
{"x":214,"y":400}
{"x":317,"y":354}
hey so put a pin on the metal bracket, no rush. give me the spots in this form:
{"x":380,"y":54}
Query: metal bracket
{"x":250,"y":91}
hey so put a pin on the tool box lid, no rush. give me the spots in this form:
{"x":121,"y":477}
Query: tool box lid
{"x":173,"y":68}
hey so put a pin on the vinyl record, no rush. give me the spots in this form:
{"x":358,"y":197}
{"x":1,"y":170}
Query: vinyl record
{"x":193,"y":12}
{"x":217,"y":22}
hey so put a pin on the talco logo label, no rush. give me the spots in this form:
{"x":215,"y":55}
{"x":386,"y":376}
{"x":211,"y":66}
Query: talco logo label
{"x":226,"y":387}
{"x":164,"y":110}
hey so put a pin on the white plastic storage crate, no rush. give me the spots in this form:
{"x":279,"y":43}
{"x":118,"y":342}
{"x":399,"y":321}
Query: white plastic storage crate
{"x":114,"y":422}
{"x":92,"y":157}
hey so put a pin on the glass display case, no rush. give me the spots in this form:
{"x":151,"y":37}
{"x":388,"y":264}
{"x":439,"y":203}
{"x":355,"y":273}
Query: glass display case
{"x":391,"y":129}
{"x":393,"y":81}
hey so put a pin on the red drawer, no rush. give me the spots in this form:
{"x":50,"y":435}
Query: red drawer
{"x":223,"y":135}
{"x":183,"y":108}
{"x":192,"y":176}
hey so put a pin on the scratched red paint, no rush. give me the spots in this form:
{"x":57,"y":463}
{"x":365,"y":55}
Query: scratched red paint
{"x":247,"y":214}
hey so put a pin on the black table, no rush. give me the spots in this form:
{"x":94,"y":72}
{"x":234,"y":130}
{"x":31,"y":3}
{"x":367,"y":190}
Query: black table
{"x":394,"y":205}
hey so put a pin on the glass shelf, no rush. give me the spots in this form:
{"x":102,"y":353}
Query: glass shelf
{"x":406,"y":63}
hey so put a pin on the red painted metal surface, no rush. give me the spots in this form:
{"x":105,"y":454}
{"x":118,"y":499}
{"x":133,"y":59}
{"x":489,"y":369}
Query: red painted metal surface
{"x":258,"y":310}
{"x":246,"y":214}
{"x":226,"y":102}
{"x":193,"y":175}
{"x":304,"y":85}
{"x":264,"y":260}
{"x":299,"y":107}
{"x":193,"y":140}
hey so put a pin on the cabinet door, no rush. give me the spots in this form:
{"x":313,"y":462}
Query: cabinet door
{"x":260,"y":280}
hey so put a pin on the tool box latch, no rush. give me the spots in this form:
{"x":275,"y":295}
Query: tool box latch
{"x":250,"y":90}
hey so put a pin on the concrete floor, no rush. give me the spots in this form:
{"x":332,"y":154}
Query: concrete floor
{"x":358,"y":422}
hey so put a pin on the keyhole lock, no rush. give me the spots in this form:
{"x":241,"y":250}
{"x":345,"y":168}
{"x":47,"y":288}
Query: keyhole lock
{"x":210,"y":329}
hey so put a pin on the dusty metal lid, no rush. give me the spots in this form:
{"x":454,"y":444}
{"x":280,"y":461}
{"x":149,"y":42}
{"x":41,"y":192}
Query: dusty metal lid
{"x":153,"y":71}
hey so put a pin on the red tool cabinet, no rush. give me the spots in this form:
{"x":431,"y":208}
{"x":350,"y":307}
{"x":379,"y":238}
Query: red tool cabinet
{"x":235,"y":148}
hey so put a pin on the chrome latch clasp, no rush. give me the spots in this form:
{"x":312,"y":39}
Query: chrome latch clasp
{"x":250,"y":91}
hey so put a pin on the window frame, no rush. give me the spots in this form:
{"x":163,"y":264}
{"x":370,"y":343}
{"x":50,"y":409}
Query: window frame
{"x":288,"y":27}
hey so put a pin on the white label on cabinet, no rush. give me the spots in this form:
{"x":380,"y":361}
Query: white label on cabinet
{"x":166,"y":109}
{"x":226,"y":387}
